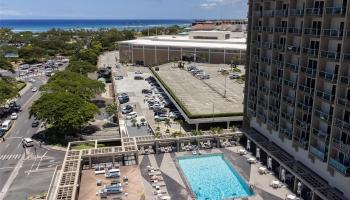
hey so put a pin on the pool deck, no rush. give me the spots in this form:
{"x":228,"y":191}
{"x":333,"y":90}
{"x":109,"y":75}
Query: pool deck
{"x":176,"y":183}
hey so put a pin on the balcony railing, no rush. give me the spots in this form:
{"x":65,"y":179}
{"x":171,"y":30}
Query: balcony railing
{"x":294,"y":30}
{"x":274,"y":109}
{"x":268,"y":13}
{"x":318,"y":153}
{"x":326,"y":96}
{"x":281,"y":29}
{"x":311,"y":52}
{"x":281,"y":13}
{"x":314,"y":11}
{"x":276,"y":78}
{"x":324,"y":116}
{"x":264,"y":74}
{"x":273,"y":124}
{"x":264,"y":89}
{"x":332,"y":33}
{"x":262,"y":103}
{"x":346,"y":57}
{"x":293,"y":67}
{"x":286,"y":132}
{"x":275,"y":93}
{"x":305,"y":107}
{"x":290,"y":83}
{"x":309,"y":71}
{"x":306,"y":89}
{"x":267,"y":45}
{"x":343,"y":102}
{"x":328,"y":76}
{"x":342,"y":124}
{"x":341,"y":146}
{"x":279,"y":46}
{"x":257,"y":28}
{"x":266,"y":60}
{"x":296,"y":12}
{"x":288,"y":99}
{"x":347,"y":34}
{"x":335,"y":10}
{"x":339,"y":167}
{"x":345,"y":80}
{"x":293,"y":49}
{"x":261,"y":117}
{"x":333,"y":55}
{"x":287,"y":116}
{"x":320,"y":134}
{"x":257,"y":14}
{"x":268,"y":29}
{"x":277,"y":63}
{"x":312,"y":31}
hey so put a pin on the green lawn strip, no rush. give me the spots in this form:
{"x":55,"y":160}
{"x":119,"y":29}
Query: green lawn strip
{"x":183,"y":107}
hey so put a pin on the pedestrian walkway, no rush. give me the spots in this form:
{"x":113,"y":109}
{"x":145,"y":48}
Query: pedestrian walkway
{"x":10,"y":156}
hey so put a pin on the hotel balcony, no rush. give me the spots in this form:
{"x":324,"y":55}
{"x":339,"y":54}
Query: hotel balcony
{"x":320,"y":154}
{"x":290,"y":83}
{"x":257,"y":14}
{"x":275,"y":94}
{"x":268,"y":13}
{"x":272,"y":124}
{"x":274,"y":109}
{"x":264,"y":89}
{"x":311,"y":52}
{"x":268,"y":29}
{"x":264,"y":74}
{"x":314,"y":11}
{"x":277,"y":63}
{"x":340,"y":167}
{"x":343,"y":102}
{"x":281,"y":13}
{"x":345,"y":80}
{"x":280,"y":29}
{"x":306,"y":89}
{"x":309,"y":71}
{"x":286,"y":132}
{"x":302,"y":124}
{"x":262,"y":103}
{"x":266,"y":60}
{"x":342,"y":124}
{"x":296,"y":12}
{"x":289,"y":100}
{"x":267,"y":45}
{"x":346,"y":57}
{"x":320,"y":135}
{"x":294,"y":49}
{"x":327,"y":117}
{"x":257,"y":28}
{"x":261,"y":117}
{"x":325,"y":96}
{"x":303,"y":142}
{"x":279,"y":46}
{"x":335,"y":11}
{"x":331,"y":55}
{"x":292,"y":67}
{"x":253,"y":71}
{"x":287,"y":116}
{"x":332,"y":33}
{"x":305,"y":107}
{"x":294,"y":30}
{"x":331,"y":77}
{"x":312,"y":32}
{"x":347,"y":34}
{"x":251,"y":112}
{"x":276,"y":78}
{"x":340,"y":145}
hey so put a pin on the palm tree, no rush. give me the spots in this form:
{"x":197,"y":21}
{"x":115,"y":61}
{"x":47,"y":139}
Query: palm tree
{"x":133,"y":121}
{"x":167,"y":123}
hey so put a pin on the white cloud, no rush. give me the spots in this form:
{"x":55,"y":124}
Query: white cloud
{"x":208,"y":4}
{"x":4,"y":12}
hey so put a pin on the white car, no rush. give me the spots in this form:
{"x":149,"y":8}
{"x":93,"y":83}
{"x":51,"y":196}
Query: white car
{"x":32,"y":80}
{"x":28,"y":142}
{"x":14,"y":116}
{"x":34,"y":89}
{"x":131,"y":115}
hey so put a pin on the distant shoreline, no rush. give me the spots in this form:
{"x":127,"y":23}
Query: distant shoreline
{"x":42,"y":25}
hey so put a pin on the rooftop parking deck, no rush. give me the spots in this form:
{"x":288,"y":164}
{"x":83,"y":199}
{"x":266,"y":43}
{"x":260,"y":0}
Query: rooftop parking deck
{"x":203,"y":97}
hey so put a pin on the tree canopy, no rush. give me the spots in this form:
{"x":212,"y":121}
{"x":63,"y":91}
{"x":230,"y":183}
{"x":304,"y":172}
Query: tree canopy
{"x":75,"y":83}
{"x":81,"y":67}
{"x":63,"y":109}
{"x":5,"y":64}
{"x":8,"y":89}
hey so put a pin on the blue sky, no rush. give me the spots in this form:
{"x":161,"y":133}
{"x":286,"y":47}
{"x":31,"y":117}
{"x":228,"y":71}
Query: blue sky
{"x":122,"y":9}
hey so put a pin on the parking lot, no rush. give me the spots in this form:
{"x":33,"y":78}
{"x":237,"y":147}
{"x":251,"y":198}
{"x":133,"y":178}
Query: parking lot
{"x":206,"y":96}
{"x":139,"y":101}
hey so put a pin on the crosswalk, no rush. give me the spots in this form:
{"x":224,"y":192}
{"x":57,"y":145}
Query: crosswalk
{"x":10,"y":156}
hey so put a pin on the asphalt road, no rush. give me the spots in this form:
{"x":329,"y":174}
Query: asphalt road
{"x":20,"y":170}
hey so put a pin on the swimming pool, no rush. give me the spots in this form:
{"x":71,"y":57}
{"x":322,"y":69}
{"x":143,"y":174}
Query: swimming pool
{"x":211,"y":177}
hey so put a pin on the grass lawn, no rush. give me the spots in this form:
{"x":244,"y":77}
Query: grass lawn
{"x":20,"y":85}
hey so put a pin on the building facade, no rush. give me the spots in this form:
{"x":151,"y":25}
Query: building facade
{"x":297,"y":92}
{"x":214,"y":47}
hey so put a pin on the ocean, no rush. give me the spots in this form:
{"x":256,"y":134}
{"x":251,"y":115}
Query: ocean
{"x":44,"y":25}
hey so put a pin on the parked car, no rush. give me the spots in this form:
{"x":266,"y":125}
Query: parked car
{"x":34,"y":89}
{"x":118,"y":78}
{"x":138,"y":78}
{"x":146,"y":91}
{"x":6,"y":125}
{"x":123,"y":98}
{"x":233,"y":76}
{"x":14,"y":116}
{"x":35,"y":123}
{"x":131,"y":115}
{"x":138,"y":72}
{"x":161,"y":117}
{"x":127,"y":109}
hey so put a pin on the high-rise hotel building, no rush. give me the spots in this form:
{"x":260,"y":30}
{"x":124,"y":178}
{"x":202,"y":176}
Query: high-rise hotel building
{"x":297,"y":91}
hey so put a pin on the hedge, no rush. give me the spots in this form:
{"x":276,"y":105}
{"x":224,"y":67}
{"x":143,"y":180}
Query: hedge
{"x":183,"y":107}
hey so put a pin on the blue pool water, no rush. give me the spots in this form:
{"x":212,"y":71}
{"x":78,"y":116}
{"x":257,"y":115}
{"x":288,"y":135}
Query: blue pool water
{"x":211,"y":177}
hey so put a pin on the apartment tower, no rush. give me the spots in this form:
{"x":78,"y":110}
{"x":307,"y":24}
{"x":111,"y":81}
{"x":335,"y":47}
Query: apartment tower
{"x":297,"y":91}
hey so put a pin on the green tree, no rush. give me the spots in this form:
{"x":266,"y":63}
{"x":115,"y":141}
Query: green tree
{"x":81,"y":67}
{"x":5,"y":64}
{"x":112,"y":109}
{"x":8,"y":89}
{"x":63,"y":110}
{"x":75,"y":83}
{"x":167,"y":123}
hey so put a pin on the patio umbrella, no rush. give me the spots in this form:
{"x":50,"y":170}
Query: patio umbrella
{"x":258,"y":153}
{"x":283,"y":175}
{"x":269,"y":163}
{"x":248,"y":145}
{"x":299,"y":188}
